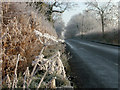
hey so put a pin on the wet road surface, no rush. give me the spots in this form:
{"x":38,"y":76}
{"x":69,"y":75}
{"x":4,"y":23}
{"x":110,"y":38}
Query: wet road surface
{"x":95,"y":65}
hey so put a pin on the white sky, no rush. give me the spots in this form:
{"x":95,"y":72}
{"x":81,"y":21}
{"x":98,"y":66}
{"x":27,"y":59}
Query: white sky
{"x":66,"y":16}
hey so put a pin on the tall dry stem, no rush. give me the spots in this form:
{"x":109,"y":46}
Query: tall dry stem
{"x":15,"y":76}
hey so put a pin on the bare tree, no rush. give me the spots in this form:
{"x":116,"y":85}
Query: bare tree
{"x":89,"y":23}
{"x":101,"y":9}
{"x":52,"y":7}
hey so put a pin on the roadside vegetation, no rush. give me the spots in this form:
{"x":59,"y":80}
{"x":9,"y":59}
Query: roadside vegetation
{"x":32,"y":54}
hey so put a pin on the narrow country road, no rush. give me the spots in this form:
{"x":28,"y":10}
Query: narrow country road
{"x":95,"y":65}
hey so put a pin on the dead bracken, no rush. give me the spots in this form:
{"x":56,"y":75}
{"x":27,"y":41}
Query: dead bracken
{"x":24,"y":39}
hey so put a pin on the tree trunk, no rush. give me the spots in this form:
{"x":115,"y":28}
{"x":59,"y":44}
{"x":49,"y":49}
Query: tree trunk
{"x":102,"y":22}
{"x":82,"y":27}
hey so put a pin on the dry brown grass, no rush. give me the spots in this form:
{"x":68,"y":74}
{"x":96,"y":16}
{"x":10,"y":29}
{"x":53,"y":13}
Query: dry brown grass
{"x":25,"y":34}
{"x":18,"y":37}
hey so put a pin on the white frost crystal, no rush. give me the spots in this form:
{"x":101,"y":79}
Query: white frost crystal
{"x":47,"y":36}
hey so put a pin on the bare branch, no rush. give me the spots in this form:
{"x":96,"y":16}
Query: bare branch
{"x":107,"y":5}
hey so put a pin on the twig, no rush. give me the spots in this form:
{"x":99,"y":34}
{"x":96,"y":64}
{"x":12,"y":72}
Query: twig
{"x":24,"y":82}
{"x":42,"y":80}
{"x":26,"y":77}
{"x":9,"y":81}
{"x":15,"y":79}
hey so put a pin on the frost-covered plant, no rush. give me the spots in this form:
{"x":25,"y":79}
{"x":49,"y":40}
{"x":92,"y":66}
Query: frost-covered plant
{"x":18,"y":37}
{"x":24,"y":36}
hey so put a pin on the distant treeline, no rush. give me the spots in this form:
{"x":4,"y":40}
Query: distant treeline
{"x":111,"y":37}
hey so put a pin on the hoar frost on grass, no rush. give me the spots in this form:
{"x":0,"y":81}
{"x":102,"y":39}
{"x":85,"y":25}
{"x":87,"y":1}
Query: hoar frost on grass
{"x":25,"y":34}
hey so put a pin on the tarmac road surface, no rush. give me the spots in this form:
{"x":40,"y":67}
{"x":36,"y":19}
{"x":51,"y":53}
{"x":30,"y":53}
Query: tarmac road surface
{"x":95,"y":65}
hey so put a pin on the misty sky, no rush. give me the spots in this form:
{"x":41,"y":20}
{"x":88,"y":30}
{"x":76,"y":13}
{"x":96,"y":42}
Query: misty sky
{"x":66,"y":16}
